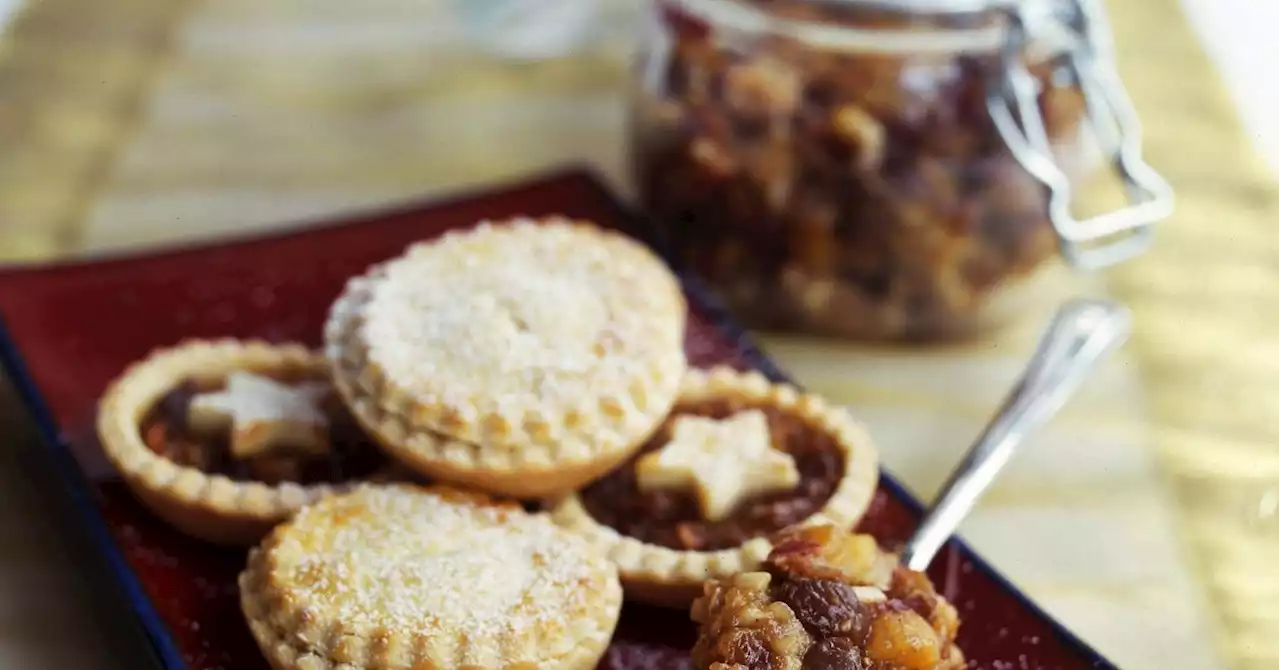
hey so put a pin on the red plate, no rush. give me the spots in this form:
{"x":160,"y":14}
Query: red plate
{"x":70,"y":329}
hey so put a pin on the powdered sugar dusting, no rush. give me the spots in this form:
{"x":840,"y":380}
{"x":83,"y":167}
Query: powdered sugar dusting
{"x":413,"y":562}
{"x":519,"y":317}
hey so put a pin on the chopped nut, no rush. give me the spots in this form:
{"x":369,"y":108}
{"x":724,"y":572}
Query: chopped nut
{"x":744,"y":629}
{"x":860,"y":559}
{"x":814,"y":294}
{"x":756,"y":581}
{"x":863,"y":133}
{"x":698,"y":611}
{"x":709,"y":155}
{"x":869,"y":594}
{"x":764,"y":87}
{"x":771,"y":172}
{"x":778,"y":611}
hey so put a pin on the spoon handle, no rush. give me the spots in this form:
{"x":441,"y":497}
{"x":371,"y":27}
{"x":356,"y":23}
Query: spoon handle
{"x":1081,"y":334}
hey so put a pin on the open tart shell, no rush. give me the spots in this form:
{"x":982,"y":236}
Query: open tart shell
{"x":673,"y":577}
{"x":209,"y":506}
{"x":464,"y":419}
{"x":315,"y":595}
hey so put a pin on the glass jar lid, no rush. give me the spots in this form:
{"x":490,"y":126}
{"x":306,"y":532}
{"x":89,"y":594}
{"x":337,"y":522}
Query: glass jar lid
{"x":932,"y":6}
{"x":980,"y":26}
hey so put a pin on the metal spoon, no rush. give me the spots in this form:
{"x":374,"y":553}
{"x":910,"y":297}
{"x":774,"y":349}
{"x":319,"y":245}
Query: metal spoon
{"x":1081,"y":334}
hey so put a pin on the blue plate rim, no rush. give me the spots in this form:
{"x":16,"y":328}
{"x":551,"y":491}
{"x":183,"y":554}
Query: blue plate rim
{"x":129,"y":586}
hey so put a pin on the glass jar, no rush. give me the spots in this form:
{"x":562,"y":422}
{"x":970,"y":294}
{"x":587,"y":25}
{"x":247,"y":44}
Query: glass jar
{"x":887,"y":170}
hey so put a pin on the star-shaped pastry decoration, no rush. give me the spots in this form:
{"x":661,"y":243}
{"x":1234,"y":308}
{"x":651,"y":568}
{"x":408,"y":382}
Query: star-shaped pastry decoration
{"x":723,"y":461}
{"x":264,"y":416}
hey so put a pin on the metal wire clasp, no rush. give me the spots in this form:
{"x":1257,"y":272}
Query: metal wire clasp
{"x":1113,"y":236}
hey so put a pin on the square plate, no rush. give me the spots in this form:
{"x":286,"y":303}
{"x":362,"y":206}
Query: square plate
{"x":69,"y":329}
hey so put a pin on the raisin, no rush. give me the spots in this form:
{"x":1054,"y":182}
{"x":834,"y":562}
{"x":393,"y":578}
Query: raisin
{"x":834,"y":653}
{"x":748,"y":649}
{"x":823,"y":607}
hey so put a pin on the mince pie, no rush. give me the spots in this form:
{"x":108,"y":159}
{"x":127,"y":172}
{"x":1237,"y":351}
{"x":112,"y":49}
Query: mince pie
{"x":525,"y":358}
{"x":398,"y":576}
{"x":825,"y":600}
{"x":224,"y":439}
{"x":737,"y":460}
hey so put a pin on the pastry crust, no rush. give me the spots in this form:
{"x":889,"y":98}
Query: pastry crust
{"x":524,"y":358}
{"x":400,"y":576}
{"x":208,"y":506}
{"x":673,"y":577}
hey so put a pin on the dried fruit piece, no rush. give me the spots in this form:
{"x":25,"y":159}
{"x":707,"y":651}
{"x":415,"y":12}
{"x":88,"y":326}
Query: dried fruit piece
{"x":824,"y":607}
{"x":903,"y":640}
{"x":762,"y":87}
{"x":824,"y":552}
{"x":836,"y":653}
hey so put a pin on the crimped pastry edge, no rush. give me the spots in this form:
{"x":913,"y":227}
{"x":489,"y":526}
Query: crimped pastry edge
{"x":212,"y":507}
{"x":674,"y":577}
{"x":524,"y":465}
{"x":278,"y":629}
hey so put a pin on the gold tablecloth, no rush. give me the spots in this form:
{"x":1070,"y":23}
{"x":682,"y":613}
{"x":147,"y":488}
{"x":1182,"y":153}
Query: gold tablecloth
{"x":1144,"y":517}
